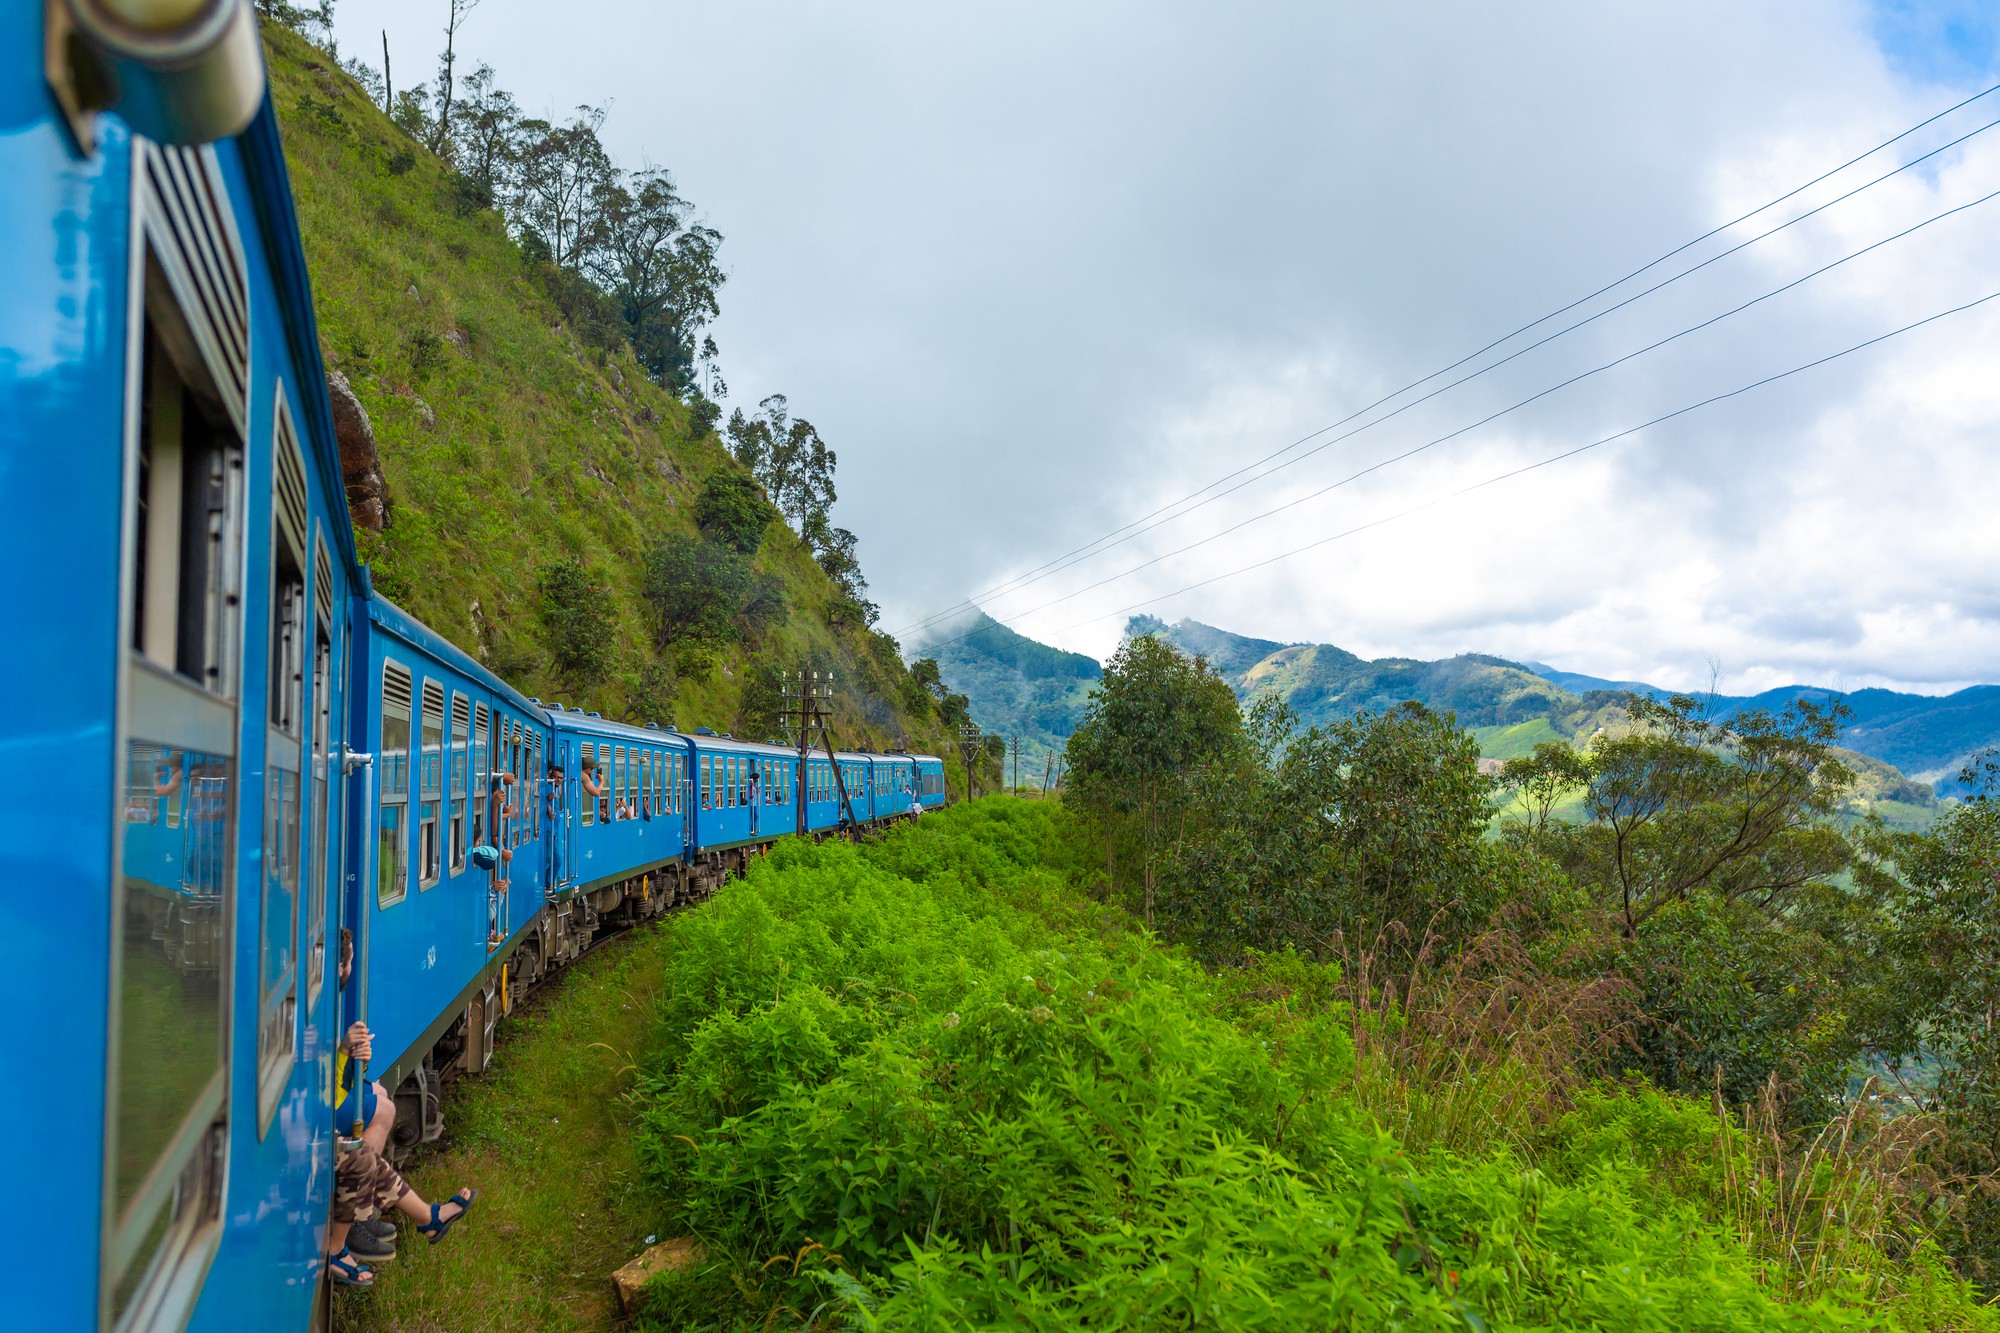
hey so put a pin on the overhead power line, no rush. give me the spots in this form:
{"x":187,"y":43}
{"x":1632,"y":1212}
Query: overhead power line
{"x":1510,"y":408}
{"x":1542,"y":463}
{"x":1117,"y":535}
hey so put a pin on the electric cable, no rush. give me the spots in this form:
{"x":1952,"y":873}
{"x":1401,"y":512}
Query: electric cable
{"x":1104,"y":542}
{"x":1510,"y":408}
{"x":1510,"y":473}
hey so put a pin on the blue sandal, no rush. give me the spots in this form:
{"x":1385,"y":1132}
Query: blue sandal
{"x":435,"y":1228}
{"x":350,"y":1272}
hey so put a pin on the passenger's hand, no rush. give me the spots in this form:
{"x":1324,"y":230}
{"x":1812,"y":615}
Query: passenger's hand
{"x":360,"y":1041}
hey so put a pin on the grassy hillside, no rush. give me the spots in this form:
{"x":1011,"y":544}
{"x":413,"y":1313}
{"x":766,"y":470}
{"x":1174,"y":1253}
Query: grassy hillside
{"x":510,"y":441}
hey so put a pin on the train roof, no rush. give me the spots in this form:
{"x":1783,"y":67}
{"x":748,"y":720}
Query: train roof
{"x":395,"y":620}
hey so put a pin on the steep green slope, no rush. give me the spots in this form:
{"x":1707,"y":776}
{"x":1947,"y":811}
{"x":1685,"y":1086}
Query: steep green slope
{"x":509,"y":441}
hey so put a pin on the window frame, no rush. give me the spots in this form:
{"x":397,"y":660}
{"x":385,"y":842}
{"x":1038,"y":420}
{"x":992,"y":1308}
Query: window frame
{"x":427,"y":826}
{"x":153,"y":1268}
{"x":392,"y":790}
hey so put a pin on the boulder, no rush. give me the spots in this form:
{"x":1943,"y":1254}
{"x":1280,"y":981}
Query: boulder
{"x":360,"y":466}
{"x":630,"y":1281}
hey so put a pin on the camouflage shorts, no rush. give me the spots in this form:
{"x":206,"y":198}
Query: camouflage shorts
{"x":364,"y":1184}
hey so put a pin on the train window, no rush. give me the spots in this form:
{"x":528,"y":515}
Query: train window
{"x":324,"y":799}
{"x":620,"y":787}
{"x":531,"y":783}
{"x":278,"y":928}
{"x":459,"y":762}
{"x":517,"y":755}
{"x":393,"y":836}
{"x":173,"y":898}
{"x":480,"y":769}
{"x":430,"y":785}
{"x":589,"y":806}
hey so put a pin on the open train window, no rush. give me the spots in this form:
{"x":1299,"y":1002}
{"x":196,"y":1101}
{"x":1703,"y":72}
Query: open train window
{"x":324,"y":813}
{"x":589,"y":804}
{"x":460,"y":762}
{"x":173,"y":901}
{"x":480,"y":731}
{"x":288,"y":628}
{"x":430,"y":786}
{"x":392,"y":861}
{"x":619,"y":789}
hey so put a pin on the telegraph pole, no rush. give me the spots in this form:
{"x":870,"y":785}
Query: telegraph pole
{"x":970,"y":743}
{"x":1015,"y":789}
{"x":807,"y":711}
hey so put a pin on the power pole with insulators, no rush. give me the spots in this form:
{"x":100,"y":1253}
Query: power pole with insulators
{"x":970,"y":744}
{"x":808,"y":708}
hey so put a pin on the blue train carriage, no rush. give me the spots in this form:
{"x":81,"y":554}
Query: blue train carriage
{"x":179,"y":612}
{"x":745,"y":795}
{"x":931,"y":794}
{"x":623,"y":852}
{"x":449,"y":851}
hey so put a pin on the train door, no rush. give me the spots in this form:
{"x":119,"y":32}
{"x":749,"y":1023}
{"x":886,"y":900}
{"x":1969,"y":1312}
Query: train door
{"x":557,"y":796}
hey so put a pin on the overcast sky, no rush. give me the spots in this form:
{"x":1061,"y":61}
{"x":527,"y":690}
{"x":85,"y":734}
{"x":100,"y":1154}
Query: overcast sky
{"x":1037,"y":269}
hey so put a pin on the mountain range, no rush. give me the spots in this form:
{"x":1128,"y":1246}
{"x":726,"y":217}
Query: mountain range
{"x":1019,"y":687}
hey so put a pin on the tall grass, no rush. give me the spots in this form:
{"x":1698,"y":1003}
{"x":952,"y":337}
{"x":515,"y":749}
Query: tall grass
{"x":1509,"y":1044}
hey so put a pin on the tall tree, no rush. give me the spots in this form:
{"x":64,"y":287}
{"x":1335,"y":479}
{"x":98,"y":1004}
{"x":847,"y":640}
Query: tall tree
{"x":440,"y":134}
{"x":560,"y":178}
{"x":1156,"y":720}
{"x":1685,"y":804}
{"x":661,"y":267}
{"x":794,"y":464}
{"x":485,"y":132}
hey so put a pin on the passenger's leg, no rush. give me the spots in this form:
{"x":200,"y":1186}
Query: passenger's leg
{"x":376,"y":1134}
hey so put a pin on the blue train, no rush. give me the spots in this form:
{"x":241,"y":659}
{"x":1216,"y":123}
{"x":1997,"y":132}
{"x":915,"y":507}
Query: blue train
{"x":223,"y":748}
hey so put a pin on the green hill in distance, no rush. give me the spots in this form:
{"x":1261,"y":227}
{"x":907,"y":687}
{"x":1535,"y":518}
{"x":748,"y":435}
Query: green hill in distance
{"x":1020,"y":687}
{"x":1016,"y":686}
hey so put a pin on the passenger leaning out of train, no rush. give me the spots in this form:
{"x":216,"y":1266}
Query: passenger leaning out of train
{"x":501,"y":802}
{"x":594,"y":788}
{"x":369,"y":1106}
{"x":363,"y":1181}
{"x":553,"y":808}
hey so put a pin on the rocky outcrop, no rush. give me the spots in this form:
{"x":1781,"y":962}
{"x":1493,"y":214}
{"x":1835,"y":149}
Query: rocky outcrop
{"x":360,"y":466}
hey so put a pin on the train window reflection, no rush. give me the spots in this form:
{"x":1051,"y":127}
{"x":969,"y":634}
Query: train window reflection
{"x":171,"y":946}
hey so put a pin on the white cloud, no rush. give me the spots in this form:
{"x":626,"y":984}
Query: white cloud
{"x":1035,"y":269}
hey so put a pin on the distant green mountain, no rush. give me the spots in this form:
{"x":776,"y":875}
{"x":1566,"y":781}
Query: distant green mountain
{"x":1322,"y":683}
{"x":1020,"y":687}
{"x":1017,"y":687}
{"x":1929,"y":737}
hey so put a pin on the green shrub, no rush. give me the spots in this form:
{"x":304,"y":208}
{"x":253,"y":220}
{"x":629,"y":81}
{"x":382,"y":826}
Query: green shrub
{"x":927,"y":1085}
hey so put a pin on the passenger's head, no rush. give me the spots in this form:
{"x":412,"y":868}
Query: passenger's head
{"x":346,"y":954}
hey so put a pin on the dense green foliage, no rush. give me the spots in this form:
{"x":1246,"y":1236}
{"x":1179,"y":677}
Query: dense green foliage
{"x":927,"y":1084}
{"x":1709,"y":902}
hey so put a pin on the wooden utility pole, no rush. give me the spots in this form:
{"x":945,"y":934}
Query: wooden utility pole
{"x":807,"y":713}
{"x":970,"y":744}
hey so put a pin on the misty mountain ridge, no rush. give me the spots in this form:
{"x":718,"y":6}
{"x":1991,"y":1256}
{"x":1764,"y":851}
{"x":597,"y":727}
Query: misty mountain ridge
{"x":1020,"y":687}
